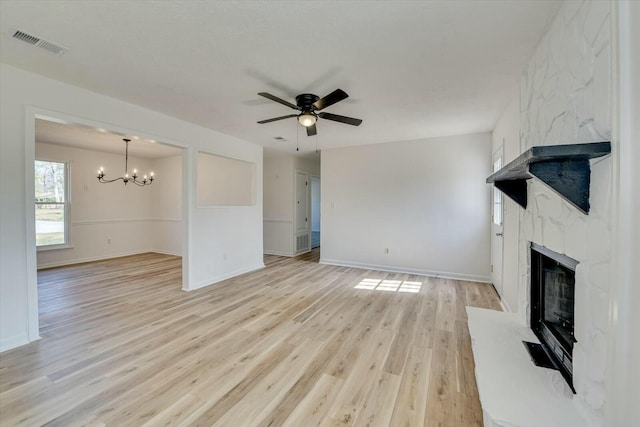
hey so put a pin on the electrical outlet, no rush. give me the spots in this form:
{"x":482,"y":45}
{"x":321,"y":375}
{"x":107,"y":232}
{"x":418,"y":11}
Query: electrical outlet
{"x":86,"y":187}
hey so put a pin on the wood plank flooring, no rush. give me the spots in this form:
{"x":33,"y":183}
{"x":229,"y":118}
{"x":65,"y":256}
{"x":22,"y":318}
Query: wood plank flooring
{"x":295,"y":344}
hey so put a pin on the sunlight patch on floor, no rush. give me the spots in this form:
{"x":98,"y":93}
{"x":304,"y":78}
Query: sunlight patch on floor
{"x":389,"y":285}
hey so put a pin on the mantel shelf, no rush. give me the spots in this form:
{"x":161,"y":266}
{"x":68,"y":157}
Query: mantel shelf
{"x":564,"y":168}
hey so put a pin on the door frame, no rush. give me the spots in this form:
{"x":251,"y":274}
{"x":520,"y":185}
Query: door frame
{"x":296,"y":231}
{"x":31,"y":114}
{"x":311,"y":178}
{"x":497,"y":230}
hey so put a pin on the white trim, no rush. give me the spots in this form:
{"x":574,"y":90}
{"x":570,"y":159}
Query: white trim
{"x":16,"y":341}
{"x":282,"y":221}
{"x":223,"y":277}
{"x":622,"y":373}
{"x":225,"y":206}
{"x":279,"y":253}
{"x":176,"y":220}
{"x":163,"y":252}
{"x":122,"y":220}
{"x":408,"y":270}
{"x":31,"y":265}
{"x":505,"y":306}
{"x":96,"y":258}
{"x":33,"y":322}
{"x":189,"y":195}
{"x":68,"y":214}
{"x":53,"y":247}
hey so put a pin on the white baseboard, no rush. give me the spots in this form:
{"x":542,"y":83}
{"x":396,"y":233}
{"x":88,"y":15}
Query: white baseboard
{"x":7,"y":343}
{"x":279,"y":253}
{"x":222,"y":277}
{"x":102,"y":258}
{"x":505,"y":306}
{"x":418,"y":271}
{"x":174,"y":253}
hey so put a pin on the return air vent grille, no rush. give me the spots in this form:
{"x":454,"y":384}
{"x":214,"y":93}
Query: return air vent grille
{"x":38,"y":42}
{"x":302,"y":243}
{"x":25,"y":37}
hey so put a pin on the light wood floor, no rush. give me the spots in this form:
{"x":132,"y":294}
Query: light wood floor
{"x":294,"y":344}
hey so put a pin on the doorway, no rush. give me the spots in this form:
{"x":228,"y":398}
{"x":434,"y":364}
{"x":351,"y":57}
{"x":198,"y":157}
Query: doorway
{"x":77,"y":219}
{"x":315,"y":211}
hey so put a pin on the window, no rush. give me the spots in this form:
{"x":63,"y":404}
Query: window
{"x":52,"y":203}
{"x":497,"y":196}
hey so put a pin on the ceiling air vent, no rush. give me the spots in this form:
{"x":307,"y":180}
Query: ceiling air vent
{"x":38,"y":42}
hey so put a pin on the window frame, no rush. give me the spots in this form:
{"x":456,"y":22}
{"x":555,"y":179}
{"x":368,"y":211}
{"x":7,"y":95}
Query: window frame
{"x":66,"y":207}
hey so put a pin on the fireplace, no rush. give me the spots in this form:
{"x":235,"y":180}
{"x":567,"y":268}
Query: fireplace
{"x":552,"y":310}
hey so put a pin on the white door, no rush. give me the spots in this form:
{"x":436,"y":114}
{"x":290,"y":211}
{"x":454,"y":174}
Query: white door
{"x":497,"y":213}
{"x":302,"y":212}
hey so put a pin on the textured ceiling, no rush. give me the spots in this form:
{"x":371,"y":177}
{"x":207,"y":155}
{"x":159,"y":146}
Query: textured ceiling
{"x":413,"y":69}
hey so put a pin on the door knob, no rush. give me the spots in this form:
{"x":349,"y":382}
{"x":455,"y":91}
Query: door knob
{"x":499,"y":234}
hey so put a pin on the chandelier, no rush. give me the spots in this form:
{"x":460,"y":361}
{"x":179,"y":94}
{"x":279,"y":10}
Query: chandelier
{"x":126,"y":178}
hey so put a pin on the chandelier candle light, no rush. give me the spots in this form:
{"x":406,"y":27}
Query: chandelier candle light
{"x":126,"y":178}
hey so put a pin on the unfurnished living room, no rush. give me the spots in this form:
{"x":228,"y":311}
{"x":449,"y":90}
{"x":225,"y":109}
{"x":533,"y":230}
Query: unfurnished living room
{"x":332,"y":213}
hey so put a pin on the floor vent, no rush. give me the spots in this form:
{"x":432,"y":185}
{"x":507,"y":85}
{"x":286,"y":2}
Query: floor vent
{"x":38,"y":42}
{"x":302,"y":243}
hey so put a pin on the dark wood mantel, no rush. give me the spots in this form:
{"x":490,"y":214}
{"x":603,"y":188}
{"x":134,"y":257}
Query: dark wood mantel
{"x":564,"y":168}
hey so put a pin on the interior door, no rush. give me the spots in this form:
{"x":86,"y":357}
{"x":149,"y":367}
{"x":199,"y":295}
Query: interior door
{"x":497,"y":214}
{"x":303,"y":240}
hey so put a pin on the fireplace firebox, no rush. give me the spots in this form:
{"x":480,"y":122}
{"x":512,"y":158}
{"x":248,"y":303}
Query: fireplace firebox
{"x":552,"y":310}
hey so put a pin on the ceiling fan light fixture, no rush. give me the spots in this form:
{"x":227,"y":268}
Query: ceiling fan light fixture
{"x":307,"y":119}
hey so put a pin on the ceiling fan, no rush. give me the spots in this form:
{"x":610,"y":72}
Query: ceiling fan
{"x":308,"y":104}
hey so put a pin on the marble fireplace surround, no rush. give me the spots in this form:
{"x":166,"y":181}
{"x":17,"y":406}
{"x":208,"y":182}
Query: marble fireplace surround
{"x":513,"y":391}
{"x":564,"y":98}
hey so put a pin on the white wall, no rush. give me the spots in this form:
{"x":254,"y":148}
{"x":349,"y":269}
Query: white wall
{"x":507,"y":134}
{"x":111,"y":220}
{"x":225,"y":182}
{"x":99,"y":212}
{"x":220,"y":242}
{"x":278,"y":204}
{"x":279,"y":199}
{"x":166,"y":206}
{"x":310,"y":163}
{"x":427,"y":201}
{"x":315,"y":203}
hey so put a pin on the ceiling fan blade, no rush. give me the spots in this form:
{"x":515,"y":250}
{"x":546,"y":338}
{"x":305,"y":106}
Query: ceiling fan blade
{"x":275,"y":119}
{"x":341,"y":119}
{"x":335,"y":96}
{"x":311,"y":130}
{"x":276,"y":99}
